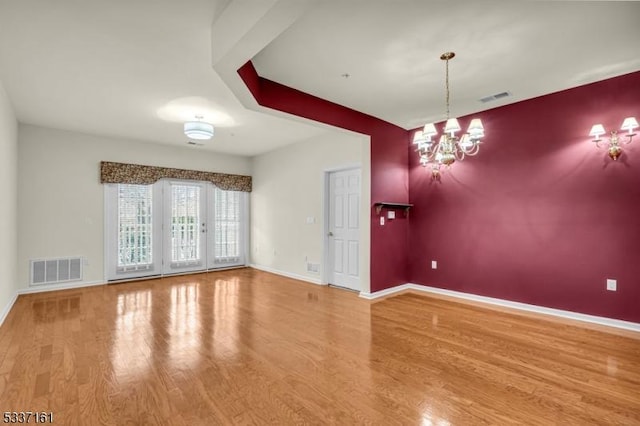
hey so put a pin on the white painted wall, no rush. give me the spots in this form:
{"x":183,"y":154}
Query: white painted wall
{"x":61,"y":202}
{"x":9,"y":203}
{"x":288,"y":187}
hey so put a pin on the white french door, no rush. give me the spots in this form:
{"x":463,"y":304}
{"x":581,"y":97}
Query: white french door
{"x":184,"y":227}
{"x":173,"y":227}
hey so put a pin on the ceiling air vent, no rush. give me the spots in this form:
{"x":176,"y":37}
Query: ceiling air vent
{"x":495,"y":97}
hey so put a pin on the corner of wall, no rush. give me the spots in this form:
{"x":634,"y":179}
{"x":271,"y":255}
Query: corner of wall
{"x":287,"y":211}
{"x":9,"y":206}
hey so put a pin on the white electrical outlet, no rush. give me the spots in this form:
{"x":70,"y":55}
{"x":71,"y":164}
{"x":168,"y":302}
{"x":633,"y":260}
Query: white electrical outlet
{"x":612,"y":285}
{"x":391,"y":214}
{"x":434,"y":264}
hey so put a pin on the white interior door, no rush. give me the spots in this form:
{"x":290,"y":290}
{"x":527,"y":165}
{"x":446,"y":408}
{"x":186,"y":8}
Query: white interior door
{"x":184,"y":227}
{"x":344,"y":229}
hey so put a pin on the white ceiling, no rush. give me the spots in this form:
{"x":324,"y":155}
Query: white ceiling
{"x":391,"y":50}
{"x":138,"y":69}
{"x":130,"y":69}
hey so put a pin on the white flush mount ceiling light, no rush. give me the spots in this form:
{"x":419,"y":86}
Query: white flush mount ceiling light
{"x":449,"y":147}
{"x":199,"y":129}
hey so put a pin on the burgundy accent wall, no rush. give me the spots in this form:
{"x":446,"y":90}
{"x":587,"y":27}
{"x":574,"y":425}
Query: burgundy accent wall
{"x":540,"y":215}
{"x":389,"y":167}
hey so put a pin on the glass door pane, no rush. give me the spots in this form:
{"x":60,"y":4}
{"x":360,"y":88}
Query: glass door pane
{"x":135,"y":227}
{"x":133,"y":240}
{"x":227,"y":210}
{"x":184,"y":227}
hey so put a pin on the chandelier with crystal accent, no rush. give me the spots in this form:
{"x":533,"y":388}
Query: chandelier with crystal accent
{"x":449,"y":147}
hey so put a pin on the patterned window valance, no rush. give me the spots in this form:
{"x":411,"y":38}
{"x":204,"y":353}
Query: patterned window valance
{"x":146,"y":175}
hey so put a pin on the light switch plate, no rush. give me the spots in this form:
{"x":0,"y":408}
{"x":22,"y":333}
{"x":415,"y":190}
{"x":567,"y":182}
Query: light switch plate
{"x":612,"y":285}
{"x":434,"y":264}
{"x":381,"y":220}
{"x":391,"y":214}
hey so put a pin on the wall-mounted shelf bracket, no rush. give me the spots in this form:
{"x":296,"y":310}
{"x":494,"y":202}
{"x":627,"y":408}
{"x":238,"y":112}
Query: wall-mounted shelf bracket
{"x":384,"y":205}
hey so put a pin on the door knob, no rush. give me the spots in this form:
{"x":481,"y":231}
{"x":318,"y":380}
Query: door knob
{"x":330,"y":234}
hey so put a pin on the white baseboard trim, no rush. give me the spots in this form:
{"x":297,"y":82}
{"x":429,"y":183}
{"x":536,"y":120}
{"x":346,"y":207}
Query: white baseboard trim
{"x":386,"y":292}
{"x":316,"y":281}
{"x":54,"y":287}
{"x":609,"y":322}
{"x":7,"y":308}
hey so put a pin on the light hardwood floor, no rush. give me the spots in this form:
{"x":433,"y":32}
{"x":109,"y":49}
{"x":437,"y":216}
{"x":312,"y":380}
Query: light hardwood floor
{"x":249,"y":347}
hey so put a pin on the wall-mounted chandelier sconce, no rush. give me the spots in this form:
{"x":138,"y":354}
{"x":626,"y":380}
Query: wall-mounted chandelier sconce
{"x":449,"y":147}
{"x":615,"y":147}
